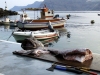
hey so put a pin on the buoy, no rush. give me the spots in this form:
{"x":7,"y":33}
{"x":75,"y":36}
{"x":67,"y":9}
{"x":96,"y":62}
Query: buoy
{"x":68,"y":16}
{"x":92,"y":21}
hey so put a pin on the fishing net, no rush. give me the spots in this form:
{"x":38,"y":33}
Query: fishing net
{"x":31,"y":43}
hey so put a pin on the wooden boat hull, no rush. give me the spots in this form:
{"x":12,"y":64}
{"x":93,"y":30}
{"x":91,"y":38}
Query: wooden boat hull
{"x":39,"y":28}
{"x":39,"y":25}
{"x":5,"y":23}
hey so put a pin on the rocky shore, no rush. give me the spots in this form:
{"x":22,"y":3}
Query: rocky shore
{"x":7,"y":12}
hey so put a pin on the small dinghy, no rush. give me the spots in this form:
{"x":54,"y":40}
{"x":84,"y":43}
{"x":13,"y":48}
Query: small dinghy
{"x":39,"y":35}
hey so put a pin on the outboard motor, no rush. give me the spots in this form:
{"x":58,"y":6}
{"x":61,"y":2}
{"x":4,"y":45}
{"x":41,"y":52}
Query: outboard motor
{"x":31,"y":43}
{"x":56,"y":16}
{"x":50,"y":27}
{"x":68,"y":34}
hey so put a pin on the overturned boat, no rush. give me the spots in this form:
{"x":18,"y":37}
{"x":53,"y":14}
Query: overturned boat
{"x":39,"y":35}
{"x":41,"y":22}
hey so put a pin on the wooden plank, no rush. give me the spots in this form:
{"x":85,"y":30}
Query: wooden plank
{"x":93,"y":63}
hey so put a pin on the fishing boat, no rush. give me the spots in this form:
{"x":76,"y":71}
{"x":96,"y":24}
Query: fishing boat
{"x":39,"y":35}
{"x":6,"y":21}
{"x":46,"y":15}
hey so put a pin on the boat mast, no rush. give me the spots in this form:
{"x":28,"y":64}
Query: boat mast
{"x":34,"y":14}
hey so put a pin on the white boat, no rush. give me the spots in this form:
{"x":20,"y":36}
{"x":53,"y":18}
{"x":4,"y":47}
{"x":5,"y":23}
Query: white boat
{"x":6,"y":21}
{"x":46,"y":15}
{"x":39,"y":35}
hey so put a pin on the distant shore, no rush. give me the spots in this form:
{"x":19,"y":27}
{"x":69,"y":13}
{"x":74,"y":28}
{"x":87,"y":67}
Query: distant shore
{"x":7,"y":12}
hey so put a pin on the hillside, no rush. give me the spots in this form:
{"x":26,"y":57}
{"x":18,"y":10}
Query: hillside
{"x":72,"y":5}
{"x":34,"y":5}
{"x":65,"y":5}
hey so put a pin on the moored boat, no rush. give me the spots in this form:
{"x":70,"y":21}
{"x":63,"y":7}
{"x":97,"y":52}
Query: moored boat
{"x":6,"y":21}
{"x":42,"y":22}
{"x":39,"y":35}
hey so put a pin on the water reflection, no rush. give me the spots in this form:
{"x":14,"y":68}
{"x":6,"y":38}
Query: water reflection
{"x":48,"y":42}
{"x":68,"y":34}
{"x":64,"y":32}
{"x":6,"y":27}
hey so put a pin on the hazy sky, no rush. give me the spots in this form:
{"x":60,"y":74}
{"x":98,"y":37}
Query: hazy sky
{"x":12,"y":3}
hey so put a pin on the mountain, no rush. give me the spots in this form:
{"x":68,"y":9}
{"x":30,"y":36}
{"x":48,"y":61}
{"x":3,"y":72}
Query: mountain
{"x":17,"y":8}
{"x":72,"y":5}
{"x":34,"y":5}
{"x":65,"y":5}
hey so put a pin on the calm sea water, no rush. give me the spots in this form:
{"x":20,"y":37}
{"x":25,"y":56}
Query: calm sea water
{"x":83,"y":34}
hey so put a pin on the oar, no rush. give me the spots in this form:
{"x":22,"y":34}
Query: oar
{"x":10,"y":36}
{"x":86,"y":71}
{"x":89,"y":69}
{"x":83,"y":69}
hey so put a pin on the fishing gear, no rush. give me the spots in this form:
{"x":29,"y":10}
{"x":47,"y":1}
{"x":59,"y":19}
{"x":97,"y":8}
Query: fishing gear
{"x":85,"y":68}
{"x":64,"y":68}
{"x":91,"y":69}
{"x":10,"y":36}
{"x":86,"y":71}
{"x":78,"y":70}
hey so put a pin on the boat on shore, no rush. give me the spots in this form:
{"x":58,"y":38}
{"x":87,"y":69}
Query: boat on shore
{"x":39,"y":35}
{"x":46,"y":15}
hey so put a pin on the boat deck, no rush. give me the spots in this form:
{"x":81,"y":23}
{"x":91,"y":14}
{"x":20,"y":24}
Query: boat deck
{"x":18,"y":65}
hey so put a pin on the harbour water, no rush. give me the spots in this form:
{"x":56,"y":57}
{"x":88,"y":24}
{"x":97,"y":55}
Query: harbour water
{"x":83,"y":34}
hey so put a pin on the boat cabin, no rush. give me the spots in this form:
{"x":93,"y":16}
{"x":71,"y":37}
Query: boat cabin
{"x":41,"y":22}
{"x":24,"y":17}
{"x":45,"y":13}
